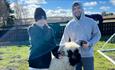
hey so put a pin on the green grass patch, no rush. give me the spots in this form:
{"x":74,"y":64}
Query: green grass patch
{"x":111,"y":54}
{"x":15,"y":58}
{"x":109,"y":46}
{"x":102,"y":63}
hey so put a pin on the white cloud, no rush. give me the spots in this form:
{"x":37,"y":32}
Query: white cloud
{"x":59,"y":12}
{"x":112,"y":2}
{"x":114,"y":13}
{"x":66,"y":12}
{"x":92,"y":12}
{"x":35,"y":1}
{"x":28,"y":5}
{"x":31,"y":2}
{"x":105,"y":8}
{"x":12,"y":5}
{"x":102,"y":2}
{"x":93,"y":3}
{"x":32,"y":5}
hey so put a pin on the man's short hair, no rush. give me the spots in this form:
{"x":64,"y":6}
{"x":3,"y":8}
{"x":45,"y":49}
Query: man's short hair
{"x":77,"y":4}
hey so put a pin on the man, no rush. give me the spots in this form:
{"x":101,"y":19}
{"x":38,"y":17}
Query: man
{"x":82,"y":29}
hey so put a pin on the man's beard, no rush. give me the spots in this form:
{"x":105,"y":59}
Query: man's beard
{"x":78,"y":17}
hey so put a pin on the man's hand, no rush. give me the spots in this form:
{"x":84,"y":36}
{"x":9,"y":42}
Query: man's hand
{"x":85,"y":45}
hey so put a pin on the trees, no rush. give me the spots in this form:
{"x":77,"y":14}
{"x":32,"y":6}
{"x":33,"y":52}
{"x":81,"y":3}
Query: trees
{"x":107,"y":13}
{"x":4,"y":11}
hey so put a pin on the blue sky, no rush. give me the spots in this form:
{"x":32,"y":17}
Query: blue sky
{"x":63,"y":7}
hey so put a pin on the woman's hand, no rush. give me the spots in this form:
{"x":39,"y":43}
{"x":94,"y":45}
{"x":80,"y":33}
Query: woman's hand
{"x":59,"y":55}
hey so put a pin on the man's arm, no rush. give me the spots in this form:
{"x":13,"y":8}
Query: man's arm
{"x":96,"y":35}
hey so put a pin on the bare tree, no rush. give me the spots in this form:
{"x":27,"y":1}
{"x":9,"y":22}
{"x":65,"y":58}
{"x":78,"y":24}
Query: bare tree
{"x":4,"y":11}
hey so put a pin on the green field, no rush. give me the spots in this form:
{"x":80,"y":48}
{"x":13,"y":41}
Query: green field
{"x":110,"y":54}
{"x":15,"y":58}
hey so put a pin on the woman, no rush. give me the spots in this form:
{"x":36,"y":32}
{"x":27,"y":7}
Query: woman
{"x":42,"y":42}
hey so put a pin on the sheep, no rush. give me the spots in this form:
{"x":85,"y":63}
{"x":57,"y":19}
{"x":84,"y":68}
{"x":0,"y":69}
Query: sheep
{"x":69,"y":58}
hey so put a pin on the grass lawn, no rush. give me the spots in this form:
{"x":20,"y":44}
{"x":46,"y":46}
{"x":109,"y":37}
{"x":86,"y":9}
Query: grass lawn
{"x":102,"y":63}
{"x":111,"y":54}
{"x":15,"y":58}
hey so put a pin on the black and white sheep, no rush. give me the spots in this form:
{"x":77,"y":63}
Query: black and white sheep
{"x":69,"y":58}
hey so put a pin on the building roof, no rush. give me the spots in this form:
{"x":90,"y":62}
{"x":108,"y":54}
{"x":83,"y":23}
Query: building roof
{"x":109,"y":19}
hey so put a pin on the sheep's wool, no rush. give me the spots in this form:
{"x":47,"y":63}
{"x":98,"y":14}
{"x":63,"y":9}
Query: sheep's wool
{"x":70,"y":45}
{"x":60,"y":64}
{"x":63,"y":63}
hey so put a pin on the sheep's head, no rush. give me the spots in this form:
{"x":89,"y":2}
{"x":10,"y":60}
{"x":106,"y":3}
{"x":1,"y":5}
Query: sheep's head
{"x":71,"y":49}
